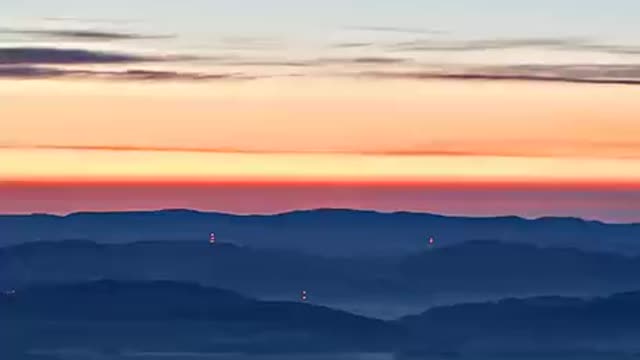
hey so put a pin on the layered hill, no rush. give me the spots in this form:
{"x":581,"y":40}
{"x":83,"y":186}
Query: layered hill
{"x":324,"y":232}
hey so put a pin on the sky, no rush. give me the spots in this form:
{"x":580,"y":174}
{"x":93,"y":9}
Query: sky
{"x":458,"y":107}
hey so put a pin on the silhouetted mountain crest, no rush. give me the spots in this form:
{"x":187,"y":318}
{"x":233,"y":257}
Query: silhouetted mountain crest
{"x":334,"y":232}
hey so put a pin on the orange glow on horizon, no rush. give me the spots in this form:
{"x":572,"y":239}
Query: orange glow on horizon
{"x":321,"y":132}
{"x":450,"y":184}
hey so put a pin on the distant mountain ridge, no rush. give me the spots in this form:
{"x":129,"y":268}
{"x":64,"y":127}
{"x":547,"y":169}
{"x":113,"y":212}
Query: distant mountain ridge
{"x":334,"y":232}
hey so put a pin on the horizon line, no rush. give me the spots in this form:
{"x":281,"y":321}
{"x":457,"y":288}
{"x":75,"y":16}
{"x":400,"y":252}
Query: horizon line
{"x":307,"y":210}
{"x":452,"y":183}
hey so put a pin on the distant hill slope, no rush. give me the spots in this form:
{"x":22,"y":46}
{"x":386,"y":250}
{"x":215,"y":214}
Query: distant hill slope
{"x":497,"y":267}
{"x":254,"y":272}
{"x":163,"y":317}
{"x":533,"y":324}
{"x":473,"y":270}
{"x":170,"y":316}
{"x":328,"y":232}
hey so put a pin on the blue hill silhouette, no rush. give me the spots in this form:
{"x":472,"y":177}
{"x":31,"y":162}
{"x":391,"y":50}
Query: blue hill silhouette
{"x":468,"y":271}
{"x":163,"y":316}
{"x":550,"y":323}
{"x":171,"y":316}
{"x":326,"y":231}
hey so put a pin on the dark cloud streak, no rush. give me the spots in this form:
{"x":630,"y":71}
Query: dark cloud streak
{"x":542,"y":149}
{"x":366,"y":60}
{"x":31,"y":72}
{"x":266,"y":63}
{"x":419,"y":75}
{"x":85,"y":34}
{"x":352,"y":45}
{"x":480,"y":45}
{"x":372,"y":60}
{"x":565,"y":44}
{"x":578,"y":74}
{"x":37,"y":62}
{"x":42,"y":55}
{"x":59,"y":56}
{"x":617,"y":71}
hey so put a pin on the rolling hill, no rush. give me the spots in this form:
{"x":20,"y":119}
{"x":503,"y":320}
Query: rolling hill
{"x":323,"y":232}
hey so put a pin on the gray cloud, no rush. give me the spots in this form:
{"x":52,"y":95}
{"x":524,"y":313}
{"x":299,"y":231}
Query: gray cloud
{"x":45,"y":55}
{"x":432,"y":45}
{"x":314,"y":62}
{"x":350,"y":45}
{"x":84,"y":34}
{"x":366,"y":60}
{"x":611,"y":49}
{"x":310,"y":63}
{"x":29,"y":72}
{"x":572,"y":44}
{"x":589,"y":71}
{"x":491,"y":44}
{"x":376,"y":60}
{"x":267,"y":63}
{"x":581,"y":74}
{"x":38,"y":72}
{"x":26,"y":55}
{"x":37,"y":62}
{"x":167,"y":75}
{"x":562,"y":74}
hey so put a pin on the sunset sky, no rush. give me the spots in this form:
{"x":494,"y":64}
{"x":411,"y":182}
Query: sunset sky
{"x":459,"y":107}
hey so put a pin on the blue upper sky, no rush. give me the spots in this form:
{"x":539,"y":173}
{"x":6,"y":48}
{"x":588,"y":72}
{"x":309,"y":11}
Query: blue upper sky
{"x":432,"y":33}
{"x":614,"y":19}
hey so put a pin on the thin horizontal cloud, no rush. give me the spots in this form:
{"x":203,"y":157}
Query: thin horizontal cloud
{"x":307,"y":63}
{"x":376,"y":60}
{"x":620,"y":71}
{"x":52,"y":55}
{"x":522,"y":148}
{"x":504,"y":74}
{"x":33,"y":72}
{"x":29,"y":72}
{"x":567,"y":44}
{"x":489,"y":44}
{"x":90,"y":20}
{"x":575,"y":44}
{"x":84,"y":34}
{"x":614,"y":152}
{"x":350,"y":45}
{"x":130,"y":148}
{"x":265,"y":63}
{"x":612,"y":49}
{"x":373,"y":60}
{"x":395,"y":29}
{"x":615,"y":75}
